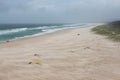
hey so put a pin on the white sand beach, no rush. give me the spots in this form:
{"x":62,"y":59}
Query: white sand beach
{"x":71,"y":54}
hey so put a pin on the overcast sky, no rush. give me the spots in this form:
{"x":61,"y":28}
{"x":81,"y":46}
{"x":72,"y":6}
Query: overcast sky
{"x":58,"y":11}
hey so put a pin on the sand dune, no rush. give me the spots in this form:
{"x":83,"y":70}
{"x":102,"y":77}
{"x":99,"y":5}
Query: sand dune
{"x":64,"y":55}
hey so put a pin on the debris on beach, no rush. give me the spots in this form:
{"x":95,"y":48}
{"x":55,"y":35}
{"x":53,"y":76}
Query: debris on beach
{"x":35,"y":61}
{"x":72,"y":51}
{"x":30,"y":63}
{"x":7,"y":41}
{"x":78,"y":34}
{"x":36,"y":54}
{"x":87,"y":48}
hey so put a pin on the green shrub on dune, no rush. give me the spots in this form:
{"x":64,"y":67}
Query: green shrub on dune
{"x":112,"y":30}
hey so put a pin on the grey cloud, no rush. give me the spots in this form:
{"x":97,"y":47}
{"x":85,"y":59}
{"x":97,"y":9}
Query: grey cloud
{"x":50,"y":11}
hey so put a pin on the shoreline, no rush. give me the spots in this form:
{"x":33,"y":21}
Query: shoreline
{"x":31,"y":36}
{"x":38,"y":36}
{"x":72,"y":54}
{"x":44,"y":34}
{"x":49,"y":32}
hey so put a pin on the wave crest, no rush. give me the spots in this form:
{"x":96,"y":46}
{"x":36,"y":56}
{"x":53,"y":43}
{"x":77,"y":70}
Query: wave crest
{"x":3,"y":32}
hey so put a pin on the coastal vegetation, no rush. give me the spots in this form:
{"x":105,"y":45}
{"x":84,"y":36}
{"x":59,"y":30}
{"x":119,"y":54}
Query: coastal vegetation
{"x":111,"y":30}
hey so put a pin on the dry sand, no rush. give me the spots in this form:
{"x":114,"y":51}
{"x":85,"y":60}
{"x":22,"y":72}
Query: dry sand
{"x":64,"y":55}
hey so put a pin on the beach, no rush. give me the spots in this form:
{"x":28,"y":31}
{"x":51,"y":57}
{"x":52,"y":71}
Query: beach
{"x":71,"y":54}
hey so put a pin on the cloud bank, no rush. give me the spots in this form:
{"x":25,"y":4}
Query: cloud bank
{"x":58,"y":11}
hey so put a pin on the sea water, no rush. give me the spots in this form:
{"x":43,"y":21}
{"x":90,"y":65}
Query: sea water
{"x":17,"y":31}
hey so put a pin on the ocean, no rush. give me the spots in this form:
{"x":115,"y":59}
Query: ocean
{"x":17,"y":31}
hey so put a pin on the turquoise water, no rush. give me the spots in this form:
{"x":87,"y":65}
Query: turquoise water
{"x":16,"y":31}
